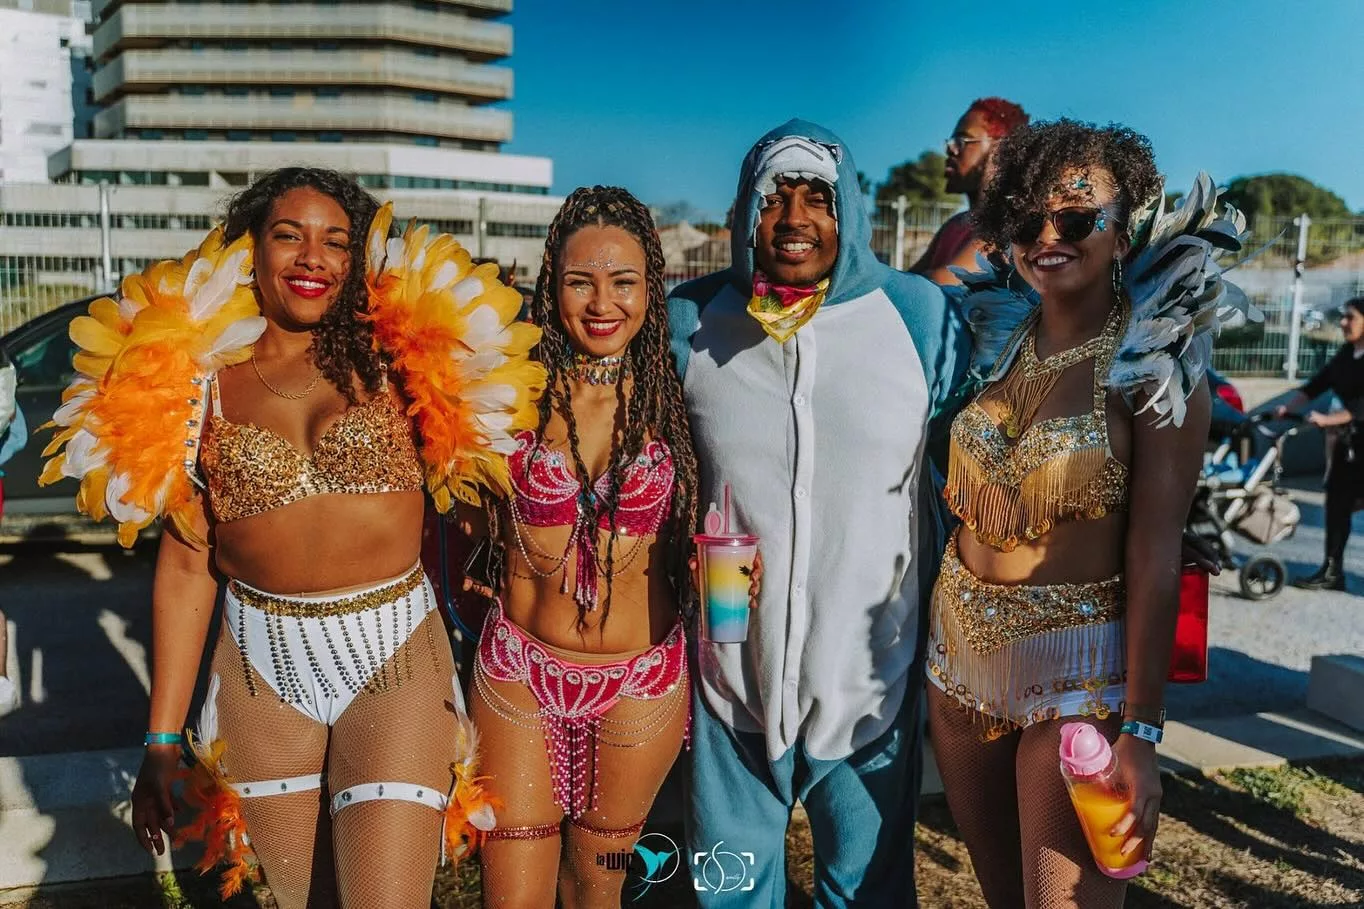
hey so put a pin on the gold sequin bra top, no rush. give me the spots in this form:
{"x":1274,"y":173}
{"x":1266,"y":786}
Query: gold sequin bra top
{"x":1012,"y":481}
{"x":251,"y":470}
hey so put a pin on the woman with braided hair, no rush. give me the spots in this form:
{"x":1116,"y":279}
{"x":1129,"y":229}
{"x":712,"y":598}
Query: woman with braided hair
{"x":585,"y":647}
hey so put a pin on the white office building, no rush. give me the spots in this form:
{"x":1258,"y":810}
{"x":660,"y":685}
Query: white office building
{"x":193,"y":100}
{"x":37,"y":43}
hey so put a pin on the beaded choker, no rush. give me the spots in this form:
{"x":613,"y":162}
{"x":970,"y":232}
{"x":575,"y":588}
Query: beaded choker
{"x":598,"y":370}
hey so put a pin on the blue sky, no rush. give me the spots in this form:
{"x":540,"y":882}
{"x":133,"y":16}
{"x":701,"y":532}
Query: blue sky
{"x":664,"y":97}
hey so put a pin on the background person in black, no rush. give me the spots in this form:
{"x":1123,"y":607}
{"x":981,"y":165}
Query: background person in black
{"x":1344,"y":375}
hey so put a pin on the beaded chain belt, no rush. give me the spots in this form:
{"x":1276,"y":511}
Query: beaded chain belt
{"x":992,"y":616}
{"x":323,"y":606}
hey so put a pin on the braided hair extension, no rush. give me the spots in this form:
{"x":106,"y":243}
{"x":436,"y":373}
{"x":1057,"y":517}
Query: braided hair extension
{"x":654,"y":405}
{"x":343,"y":344}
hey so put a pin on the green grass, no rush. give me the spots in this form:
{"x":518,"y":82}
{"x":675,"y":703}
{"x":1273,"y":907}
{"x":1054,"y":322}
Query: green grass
{"x":1282,"y":787}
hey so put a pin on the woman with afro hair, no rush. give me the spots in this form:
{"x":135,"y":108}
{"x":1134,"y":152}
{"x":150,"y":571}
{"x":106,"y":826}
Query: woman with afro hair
{"x":1072,"y":472}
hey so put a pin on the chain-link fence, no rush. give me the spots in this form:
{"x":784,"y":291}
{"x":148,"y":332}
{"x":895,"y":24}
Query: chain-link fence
{"x":1303,"y":266}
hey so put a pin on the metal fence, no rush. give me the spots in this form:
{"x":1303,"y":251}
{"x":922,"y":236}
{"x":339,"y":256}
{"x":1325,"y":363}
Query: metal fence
{"x":1303,"y":271}
{"x":49,"y":257}
{"x":1302,"y":274}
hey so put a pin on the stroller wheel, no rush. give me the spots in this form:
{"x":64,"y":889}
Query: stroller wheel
{"x":1262,"y":577}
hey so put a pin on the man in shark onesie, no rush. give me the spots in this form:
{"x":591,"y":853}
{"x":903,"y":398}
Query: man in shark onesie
{"x":812,"y":374}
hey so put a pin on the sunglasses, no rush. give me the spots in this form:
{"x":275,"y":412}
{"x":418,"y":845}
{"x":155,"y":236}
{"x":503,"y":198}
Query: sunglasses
{"x":956,"y":144}
{"x":1071,"y":224}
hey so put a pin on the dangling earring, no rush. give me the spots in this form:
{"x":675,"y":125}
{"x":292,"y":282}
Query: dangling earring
{"x":1009,"y":257}
{"x":1117,"y":278}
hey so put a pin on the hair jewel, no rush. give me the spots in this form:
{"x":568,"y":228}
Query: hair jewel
{"x":1079,"y":183}
{"x":1101,"y":222}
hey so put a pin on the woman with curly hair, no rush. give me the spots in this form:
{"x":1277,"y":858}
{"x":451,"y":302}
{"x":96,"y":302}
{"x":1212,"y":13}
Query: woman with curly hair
{"x":580,"y":688}
{"x":1072,"y":472}
{"x":329,"y":710}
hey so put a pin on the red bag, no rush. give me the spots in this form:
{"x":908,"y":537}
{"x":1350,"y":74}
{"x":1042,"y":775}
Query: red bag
{"x":1189,"y":658}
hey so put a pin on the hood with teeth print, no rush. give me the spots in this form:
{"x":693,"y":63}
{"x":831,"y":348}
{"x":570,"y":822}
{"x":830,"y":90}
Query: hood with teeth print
{"x":802,"y":149}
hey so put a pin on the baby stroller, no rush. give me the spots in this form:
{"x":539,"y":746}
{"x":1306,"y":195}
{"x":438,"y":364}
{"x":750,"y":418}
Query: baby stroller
{"x":1239,"y":492}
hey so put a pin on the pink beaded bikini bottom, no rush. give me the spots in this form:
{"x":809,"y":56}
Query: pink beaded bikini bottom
{"x":574,"y":699}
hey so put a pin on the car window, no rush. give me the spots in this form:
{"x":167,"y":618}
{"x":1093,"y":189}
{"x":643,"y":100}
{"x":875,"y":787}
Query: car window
{"x":45,"y":362}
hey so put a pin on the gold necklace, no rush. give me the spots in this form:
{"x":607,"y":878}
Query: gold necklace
{"x":1027,"y":385}
{"x":292,"y":396}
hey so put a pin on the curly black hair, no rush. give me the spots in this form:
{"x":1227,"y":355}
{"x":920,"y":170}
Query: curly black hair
{"x":1030,"y":162}
{"x":655,"y":406}
{"x":343,"y":344}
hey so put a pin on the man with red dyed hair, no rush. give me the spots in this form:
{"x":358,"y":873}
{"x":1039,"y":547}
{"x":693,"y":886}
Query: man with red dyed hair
{"x":969,"y":151}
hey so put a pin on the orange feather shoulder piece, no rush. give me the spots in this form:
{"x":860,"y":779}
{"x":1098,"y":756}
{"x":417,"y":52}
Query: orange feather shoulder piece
{"x":452,"y":331}
{"x":129,"y":424}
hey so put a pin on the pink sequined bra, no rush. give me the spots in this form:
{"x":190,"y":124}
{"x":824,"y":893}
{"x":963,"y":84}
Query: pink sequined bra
{"x":549,"y":495}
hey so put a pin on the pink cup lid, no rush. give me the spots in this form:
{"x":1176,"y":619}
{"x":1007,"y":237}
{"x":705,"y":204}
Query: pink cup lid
{"x":725,"y":539}
{"x":1084,"y":750}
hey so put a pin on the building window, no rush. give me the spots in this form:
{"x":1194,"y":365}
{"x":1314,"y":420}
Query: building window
{"x":328,"y":92}
{"x":191,"y":89}
{"x":457,"y":226}
{"x":527,"y":231}
{"x":330,"y":137}
{"x":239,"y":135}
{"x":152,"y":134}
{"x":430,"y":141}
{"x":425,"y":97}
{"x":281,"y":92}
{"x":196,"y":135}
{"x":283,"y":136}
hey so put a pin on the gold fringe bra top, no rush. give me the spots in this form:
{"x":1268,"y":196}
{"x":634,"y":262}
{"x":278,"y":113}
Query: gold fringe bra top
{"x":1012,"y":481}
{"x":250,"y":470}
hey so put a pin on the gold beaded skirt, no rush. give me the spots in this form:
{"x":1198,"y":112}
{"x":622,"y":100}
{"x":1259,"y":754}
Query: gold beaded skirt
{"x":1019,"y":654}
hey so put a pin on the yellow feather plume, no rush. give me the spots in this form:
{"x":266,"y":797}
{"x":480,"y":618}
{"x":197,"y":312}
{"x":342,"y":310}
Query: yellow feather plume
{"x":464,"y":359}
{"x":136,"y":400}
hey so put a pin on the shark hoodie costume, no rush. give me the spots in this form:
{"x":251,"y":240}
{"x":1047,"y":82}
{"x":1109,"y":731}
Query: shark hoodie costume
{"x":822,"y":440}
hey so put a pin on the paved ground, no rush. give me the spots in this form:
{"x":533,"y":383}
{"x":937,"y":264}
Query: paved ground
{"x":1260,"y":652}
{"x":80,"y":636}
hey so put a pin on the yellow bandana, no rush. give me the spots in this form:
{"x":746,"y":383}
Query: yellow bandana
{"x":783,"y":310}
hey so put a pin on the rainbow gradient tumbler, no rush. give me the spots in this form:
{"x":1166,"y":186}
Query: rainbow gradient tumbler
{"x":726,"y":563}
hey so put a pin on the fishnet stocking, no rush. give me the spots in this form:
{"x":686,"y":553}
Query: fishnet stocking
{"x":1011,"y":806}
{"x":639,"y":744}
{"x":517,"y":873}
{"x":1058,"y":869}
{"x":268,"y":739}
{"x":979,"y":782}
{"x":640,"y":741}
{"x":386,"y":850}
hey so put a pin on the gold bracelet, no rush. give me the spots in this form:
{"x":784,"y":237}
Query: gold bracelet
{"x":1153,"y":715}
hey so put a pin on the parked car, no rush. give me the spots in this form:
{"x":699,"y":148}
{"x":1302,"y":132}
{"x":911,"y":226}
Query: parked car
{"x":41,"y":350}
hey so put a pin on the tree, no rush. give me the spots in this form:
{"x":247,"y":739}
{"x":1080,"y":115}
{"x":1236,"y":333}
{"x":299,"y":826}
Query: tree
{"x":920,"y":180}
{"x":671,"y":213}
{"x":1283,"y":196}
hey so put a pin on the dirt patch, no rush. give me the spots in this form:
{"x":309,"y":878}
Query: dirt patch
{"x":1288,"y":838}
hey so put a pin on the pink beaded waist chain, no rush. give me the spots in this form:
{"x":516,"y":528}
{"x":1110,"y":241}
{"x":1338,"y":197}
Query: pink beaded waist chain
{"x":574,"y":697}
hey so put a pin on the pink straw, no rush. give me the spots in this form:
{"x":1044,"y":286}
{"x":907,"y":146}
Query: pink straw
{"x":726,"y":509}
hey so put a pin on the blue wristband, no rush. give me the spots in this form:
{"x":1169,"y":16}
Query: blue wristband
{"x":1144,"y":731}
{"x":163,"y":738}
